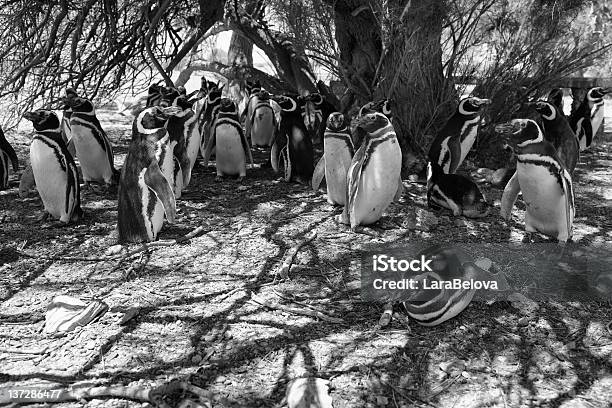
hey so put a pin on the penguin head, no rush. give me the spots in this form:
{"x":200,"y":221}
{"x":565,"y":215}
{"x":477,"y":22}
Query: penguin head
{"x":263,"y":95}
{"x":287,"y":103}
{"x":315,"y":98}
{"x":253,"y":86}
{"x":525,"y":132}
{"x":69,"y":94}
{"x":596,"y":94}
{"x":227,"y":106}
{"x":153,"y":118}
{"x":371,"y":122}
{"x":43,"y":119}
{"x":336,"y":122}
{"x":80,"y":104}
{"x":383,"y":106}
{"x":546,"y":109}
{"x":471,"y":105}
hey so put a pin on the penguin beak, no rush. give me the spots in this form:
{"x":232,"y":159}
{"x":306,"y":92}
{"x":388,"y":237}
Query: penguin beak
{"x":606,"y":90}
{"x":31,"y":116}
{"x":171,"y":111}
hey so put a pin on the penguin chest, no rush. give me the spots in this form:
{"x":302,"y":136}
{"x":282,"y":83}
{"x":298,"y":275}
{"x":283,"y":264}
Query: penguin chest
{"x":545,"y":200}
{"x":152,"y":210}
{"x":468,"y":136}
{"x":262,"y":130}
{"x":376,"y":184}
{"x":165,"y":158}
{"x":230,"y":156}
{"x":49,"y":167}
{"x":337,"y":163}
{"x":193,"y":142}
{"x":92,"y":156}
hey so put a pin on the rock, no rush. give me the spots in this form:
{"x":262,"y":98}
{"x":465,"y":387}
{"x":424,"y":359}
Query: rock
{"x":196,"y":359}
{"x":460,"y":223}
{"x":113,"y":250}
{"x":522,"y":303}
{"x":500,"y":177}
{"x":242,"y":188}
{"x":523,"y":321}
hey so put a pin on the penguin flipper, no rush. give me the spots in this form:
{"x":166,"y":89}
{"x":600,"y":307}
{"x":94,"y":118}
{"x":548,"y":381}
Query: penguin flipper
{"x":274,"y":157}
{"x":588,"y":132}
{"x":6,"y":146}
{"x":569,"y":200}
{"x":319,"y":174}
{"x":245,"y":145}
{"x":353,"y":176}
{"x":455,"y":156}
{"x":27,"y":181}
{"x":400,"y":190}
{"x":210,"y":144}
{"x":509,"y":197}
{"x":155,"y":180}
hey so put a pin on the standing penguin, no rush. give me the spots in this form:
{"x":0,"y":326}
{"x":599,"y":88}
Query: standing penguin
{"x":545,"y":182}
{"x":315,"y":111}
{"x":261,"y":123}
{"x":206,"y":117}
{"x":558,"y":132}
{"x":56,"y":175}
{"x":587,"y":118}
{"x":292,"y":143}
{"x":555,"y":96}
{"x":454,"y":141}
{"x":7,"y":153}
{"x":455,"y":192}
{"x":374,"y":176}
{"x":383,"y":106}
{"x":66,"y":114}
{"x":93,"y":148}
{"x":338,"y":151}
{"x":229,"y":141}
{"x":145,"y":194}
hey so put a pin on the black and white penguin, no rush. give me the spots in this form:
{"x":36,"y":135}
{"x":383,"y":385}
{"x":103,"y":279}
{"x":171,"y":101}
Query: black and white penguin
{"x":205,"y":119}
{"x":230,"y":143}
{"x":154,"y":95}
{"x":315,"y":110}
{"x":7,"y":154}
{"x":545,"y":182}
{"x":93,"y":148}
{"x":145,"y":194}
{"x":374,"y":176}
{"x":56,"y":175}
{"x":432,"y":303}
{"x":558,"y":132}
{"x":383,"y":106}
{"x":70,"y":93}
{"x":260,"y":124}
{"x":454,"y":141}
{"x":338,"y":151}
{"x":588,"y":117}
{"x":455,"y":192}
{"x":292,"y":143}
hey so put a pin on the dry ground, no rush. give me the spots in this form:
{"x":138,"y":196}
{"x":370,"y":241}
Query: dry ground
{"x":196,"y":320}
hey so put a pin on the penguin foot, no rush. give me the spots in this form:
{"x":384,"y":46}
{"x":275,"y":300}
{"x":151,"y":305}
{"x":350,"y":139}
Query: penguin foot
{"x":341,"y":219}
{"x":43,"y":217}
{"x":366,"y":231}
{"x":218,"y":179}
{"x":240,"y":179}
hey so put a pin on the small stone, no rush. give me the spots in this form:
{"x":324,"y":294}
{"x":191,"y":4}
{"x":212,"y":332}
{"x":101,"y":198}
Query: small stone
{"x":209,"y":338}
{"x":196,"y":359}
{"x":465,"y":374}
{"x":242,"y":188}
{"x":460,"y":223}
{"x":228,"y":335}
{"x":523,"y":321}
{"x":221,"y":378}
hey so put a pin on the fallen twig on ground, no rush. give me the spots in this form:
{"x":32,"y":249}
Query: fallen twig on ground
{"x":139,"y":393}
{"x":295,"y":310}
{"x":283,"y":271}
{"x":23,"y":351}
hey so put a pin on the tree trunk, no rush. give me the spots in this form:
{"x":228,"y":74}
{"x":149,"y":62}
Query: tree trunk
{"x":240,"y":50}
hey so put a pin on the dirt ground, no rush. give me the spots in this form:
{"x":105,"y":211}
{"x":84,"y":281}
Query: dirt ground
{"x":197,"y":319}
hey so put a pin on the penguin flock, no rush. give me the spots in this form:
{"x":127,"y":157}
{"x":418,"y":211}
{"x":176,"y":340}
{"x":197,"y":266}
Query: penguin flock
{"x":361,"y":161}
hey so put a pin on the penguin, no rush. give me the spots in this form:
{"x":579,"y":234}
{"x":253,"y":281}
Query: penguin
{"x":432,"y":303}
{"x":211,"y":102}
{"x":383,"y":106}
{"x":374,"y":178}
{"x":154,"y":95}
{"x":229,"y":141}
{"x":70,"y":93}
{"x":260,"y":122}
{"x":454,"y":141}
{"x":588,"y":117}
{"x":338,"y":151}
{"x":555,"y":96}
{"x":93,"y":148}
{"x":558,"y":132}
{"x":53,"y":167}
{"x":544,"y":180}
{"x":315,"y":110}
{"x":7,"y":153}
{"x":455,"y":192}
{"x":292,"y":143}
{"x":145,"y":194}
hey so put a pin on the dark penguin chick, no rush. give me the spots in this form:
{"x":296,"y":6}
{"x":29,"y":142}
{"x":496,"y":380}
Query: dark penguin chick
{"x":229,"y":141}
{"x":93,"y":148}
{"x":7,"y":154}
{"x":455,"y":192}
{"x":315,"y":110}
{"x":588,"y":117}
{"x":555,"y":96}
{"x":545,"y":182}
{"x":338,"y":151}
{"x":373,"y":180}
{"x":70,"y":94}
{"x":292,"y":143}
{"x":145,"y":194}
{"x":54,"y":170}
{"x":455,"y":139}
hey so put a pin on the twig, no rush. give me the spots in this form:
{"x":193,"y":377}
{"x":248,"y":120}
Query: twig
{"x":295,"y":310}
{"x":139,"y":393}
{"x":283,"y":272}
{"x":23,"y":351}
